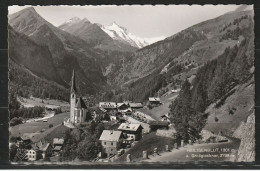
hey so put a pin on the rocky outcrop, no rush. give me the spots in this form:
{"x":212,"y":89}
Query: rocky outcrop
{"x":246,"y":132}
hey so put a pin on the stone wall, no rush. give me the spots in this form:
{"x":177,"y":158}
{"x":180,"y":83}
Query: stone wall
{"x":246,"y":132}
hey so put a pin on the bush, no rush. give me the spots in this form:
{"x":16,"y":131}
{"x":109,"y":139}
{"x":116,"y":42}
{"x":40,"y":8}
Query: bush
{"x":15,"y":121}
{"x":50,"y":126}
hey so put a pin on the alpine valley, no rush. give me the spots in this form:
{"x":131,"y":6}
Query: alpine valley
{"x":214,"y":59}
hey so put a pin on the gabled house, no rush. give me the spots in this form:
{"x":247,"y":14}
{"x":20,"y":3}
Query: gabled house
{"x":110,"y":141}
{"x":133,"y":132}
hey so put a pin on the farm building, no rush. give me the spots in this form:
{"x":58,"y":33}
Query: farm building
{"x":136,"y":105}
{"x":154,"y":101}
{"x":132,"y":131}
{"x":110,"y":141}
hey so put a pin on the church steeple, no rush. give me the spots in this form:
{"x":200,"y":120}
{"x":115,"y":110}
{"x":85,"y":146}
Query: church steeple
{"x":73,"y":83}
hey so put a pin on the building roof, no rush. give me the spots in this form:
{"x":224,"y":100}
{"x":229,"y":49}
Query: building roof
{"x":136,"y":104}
{"x":80,"y":103}
{"x":129,"y":127}
{"x":41,"y":145}
{"x":58,"y":141}
{"x":73,"y":83}
{"x":159,"y":123}
{"x":122,"y":104}
{"x":57,"y":148}
{"x":154,"y":99}
{"x":107,"y":104}
{"x":110,"y":135}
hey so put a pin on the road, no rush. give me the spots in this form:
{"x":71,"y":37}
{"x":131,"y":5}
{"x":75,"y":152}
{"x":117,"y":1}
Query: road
{"x":211,"y":152}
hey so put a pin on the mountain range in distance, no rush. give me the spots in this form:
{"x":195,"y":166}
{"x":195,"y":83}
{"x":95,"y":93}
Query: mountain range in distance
{"x":103,"y":55}
{"x":104,"y":37}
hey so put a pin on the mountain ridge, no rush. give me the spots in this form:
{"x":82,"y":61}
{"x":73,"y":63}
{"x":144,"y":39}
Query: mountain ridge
{"x":68,"y":51}
{"x":94,"y":35}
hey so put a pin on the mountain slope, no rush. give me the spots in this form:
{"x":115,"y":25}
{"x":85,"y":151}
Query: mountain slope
{"x":68,"y":51}
{"x":171,"y":61}
{"x":94,"y":35}
{"x":36,"y":58}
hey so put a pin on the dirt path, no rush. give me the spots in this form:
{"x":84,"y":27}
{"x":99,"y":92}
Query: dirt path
{"x":200,"y":152}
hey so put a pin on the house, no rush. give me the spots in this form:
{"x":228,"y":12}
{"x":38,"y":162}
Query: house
{"x":154,"y":101}
{"x":107,"y":105}
{"x":32,"y":154}
{"x":110,"y":141}
{"x":133,"y":131}
{"x":136,"y":105}
{"x":57,"y":144}
{"x":154,"y":125}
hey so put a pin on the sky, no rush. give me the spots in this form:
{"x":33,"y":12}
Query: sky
{"x":145,"y":21}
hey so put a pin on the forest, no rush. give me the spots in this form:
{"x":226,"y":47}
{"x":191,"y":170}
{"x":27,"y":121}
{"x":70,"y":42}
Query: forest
{"x":213,"y":83}
{"x":24,"y":84}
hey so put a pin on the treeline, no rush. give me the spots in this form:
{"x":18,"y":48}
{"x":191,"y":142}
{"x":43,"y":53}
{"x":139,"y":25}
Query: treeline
{"x":141,"y":89}
{"x":217,"y":78}
{"x":24,"y":84}
{"x":234,"y":33}
{"x":213,"y":83}
{"x":17,"y":111}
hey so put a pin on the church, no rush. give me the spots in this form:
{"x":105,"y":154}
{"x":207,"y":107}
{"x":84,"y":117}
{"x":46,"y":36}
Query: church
{"x":78,"y":108}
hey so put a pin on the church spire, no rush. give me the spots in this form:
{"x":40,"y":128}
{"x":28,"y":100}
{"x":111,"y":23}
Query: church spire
{"x":73,"y":83}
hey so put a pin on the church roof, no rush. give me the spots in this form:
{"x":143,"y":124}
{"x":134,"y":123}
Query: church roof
{"x":73,"y":83}
{"x":80,"y":103}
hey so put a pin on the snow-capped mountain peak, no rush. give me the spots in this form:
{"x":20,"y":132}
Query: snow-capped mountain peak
{"x":120,"y":33}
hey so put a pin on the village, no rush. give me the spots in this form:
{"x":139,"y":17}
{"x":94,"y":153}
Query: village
{"x":133,"y":120}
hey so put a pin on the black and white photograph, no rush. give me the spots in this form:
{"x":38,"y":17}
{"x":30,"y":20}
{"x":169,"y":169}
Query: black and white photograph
{"x":131,"y":84}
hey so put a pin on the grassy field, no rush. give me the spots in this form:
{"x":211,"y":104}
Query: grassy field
{"x":36,"y":127}
{"x":237,"y":108}
{"x":147,"y":143}
{"x":33,"y":101}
